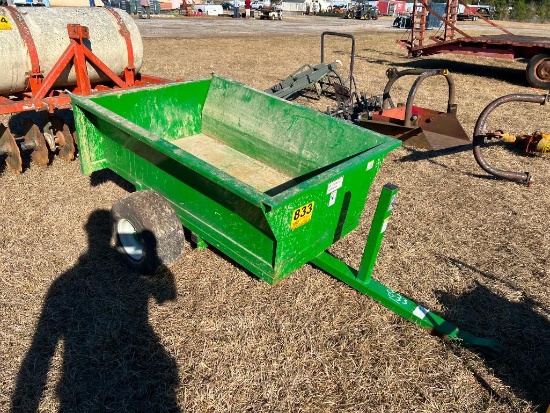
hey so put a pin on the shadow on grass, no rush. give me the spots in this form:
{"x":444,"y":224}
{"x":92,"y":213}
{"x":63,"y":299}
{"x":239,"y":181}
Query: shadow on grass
{"x":95,"y":315}
{"x":520,"y":326}
{"x":432,"y":157}
{"x":103,"y":176}
{"x":505,"y":74}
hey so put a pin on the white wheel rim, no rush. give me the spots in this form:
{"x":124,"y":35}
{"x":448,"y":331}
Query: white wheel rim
{"x":130,"y":239}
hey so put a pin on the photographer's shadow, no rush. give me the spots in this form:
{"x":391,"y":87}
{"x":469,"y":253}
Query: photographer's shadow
{"x":520,"y":325}
{"x":96,"y":316}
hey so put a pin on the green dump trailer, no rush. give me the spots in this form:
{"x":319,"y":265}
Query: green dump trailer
{"x":272,"y":194}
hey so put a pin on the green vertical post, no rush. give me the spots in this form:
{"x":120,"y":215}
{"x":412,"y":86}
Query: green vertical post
{"x":377,"y":230}
{"x":362,"y":281}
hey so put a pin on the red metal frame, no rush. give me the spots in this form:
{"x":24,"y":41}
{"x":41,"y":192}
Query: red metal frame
{"x":506,"y":45}
{"x":41,"y":94}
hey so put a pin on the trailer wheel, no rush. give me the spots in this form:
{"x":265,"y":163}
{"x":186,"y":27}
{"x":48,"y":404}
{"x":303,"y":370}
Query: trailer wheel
{"x":538,"y":71}
{"x":146,"y":231}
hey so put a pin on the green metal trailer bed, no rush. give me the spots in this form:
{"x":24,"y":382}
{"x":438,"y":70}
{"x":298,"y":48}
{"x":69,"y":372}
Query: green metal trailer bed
{"x":272,"y":195}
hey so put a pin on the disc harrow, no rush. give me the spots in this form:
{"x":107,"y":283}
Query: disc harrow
{"x":40,"y":142}
{"x":46,"y":91}
{"x":9,"y":148}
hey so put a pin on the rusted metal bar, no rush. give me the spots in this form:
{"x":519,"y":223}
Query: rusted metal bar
{"x":77,"y":34}
{"x":130,"y":70}
{"x":103,"y":67}
{"x":480,"y":133}
{"x":36,"y":74}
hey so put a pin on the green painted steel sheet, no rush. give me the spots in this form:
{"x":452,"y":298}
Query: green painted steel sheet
{"x":269,"y":183}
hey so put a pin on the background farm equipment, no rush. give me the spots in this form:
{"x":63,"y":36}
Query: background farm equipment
{"x":362,"y":10}
{"x":271,"y":196}
{"x":323,"y":78}
{"x":456,"y":41}
{"x":537,"y":142}
{"x":414,"y":125}
{"x":403,"y":21}
{"x":51,"y":58}
{"x":272,"y":12}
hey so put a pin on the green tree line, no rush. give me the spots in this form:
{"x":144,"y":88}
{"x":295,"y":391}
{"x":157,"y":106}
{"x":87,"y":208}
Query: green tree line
{"x":521,"y":10}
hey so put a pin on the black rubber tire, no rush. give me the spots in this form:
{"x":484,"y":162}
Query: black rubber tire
{"x":158,"y":231}
{"x":531,"y":72}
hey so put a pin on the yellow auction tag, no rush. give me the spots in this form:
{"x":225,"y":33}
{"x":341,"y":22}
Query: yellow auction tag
{"x":4,"y":23}
{"x":301,"y":215}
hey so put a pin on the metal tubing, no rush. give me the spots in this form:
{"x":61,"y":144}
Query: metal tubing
{"x":390,"y":299}
{"x":393,"y":75}
{"x":352,"y":85}
{"x":416,"y":85}
{"x":479,"y":135}
{"x":347,"y":35}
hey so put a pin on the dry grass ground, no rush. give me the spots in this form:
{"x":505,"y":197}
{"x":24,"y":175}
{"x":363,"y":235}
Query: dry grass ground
{"x":80,"y":332}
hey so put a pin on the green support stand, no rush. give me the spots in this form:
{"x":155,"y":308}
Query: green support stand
{"x":362,"y":281}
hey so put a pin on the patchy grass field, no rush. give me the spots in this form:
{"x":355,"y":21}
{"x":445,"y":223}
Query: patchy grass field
{"x":80,"y":332}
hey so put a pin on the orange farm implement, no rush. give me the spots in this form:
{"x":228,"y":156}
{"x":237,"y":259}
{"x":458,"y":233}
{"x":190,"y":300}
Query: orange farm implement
{"x":44,"y":83}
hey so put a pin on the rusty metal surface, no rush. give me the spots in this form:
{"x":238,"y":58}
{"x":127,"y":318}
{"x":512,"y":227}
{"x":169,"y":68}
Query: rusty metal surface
{"x":516,"y":40}
{"x":129,"y":71}
{"x":432,"y":130}
{"x":416,"y":126}
{"x":9,"y":148}
{"x":34,"y":139}
{"x":63,"y":138}
{"x":541,"y":70}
